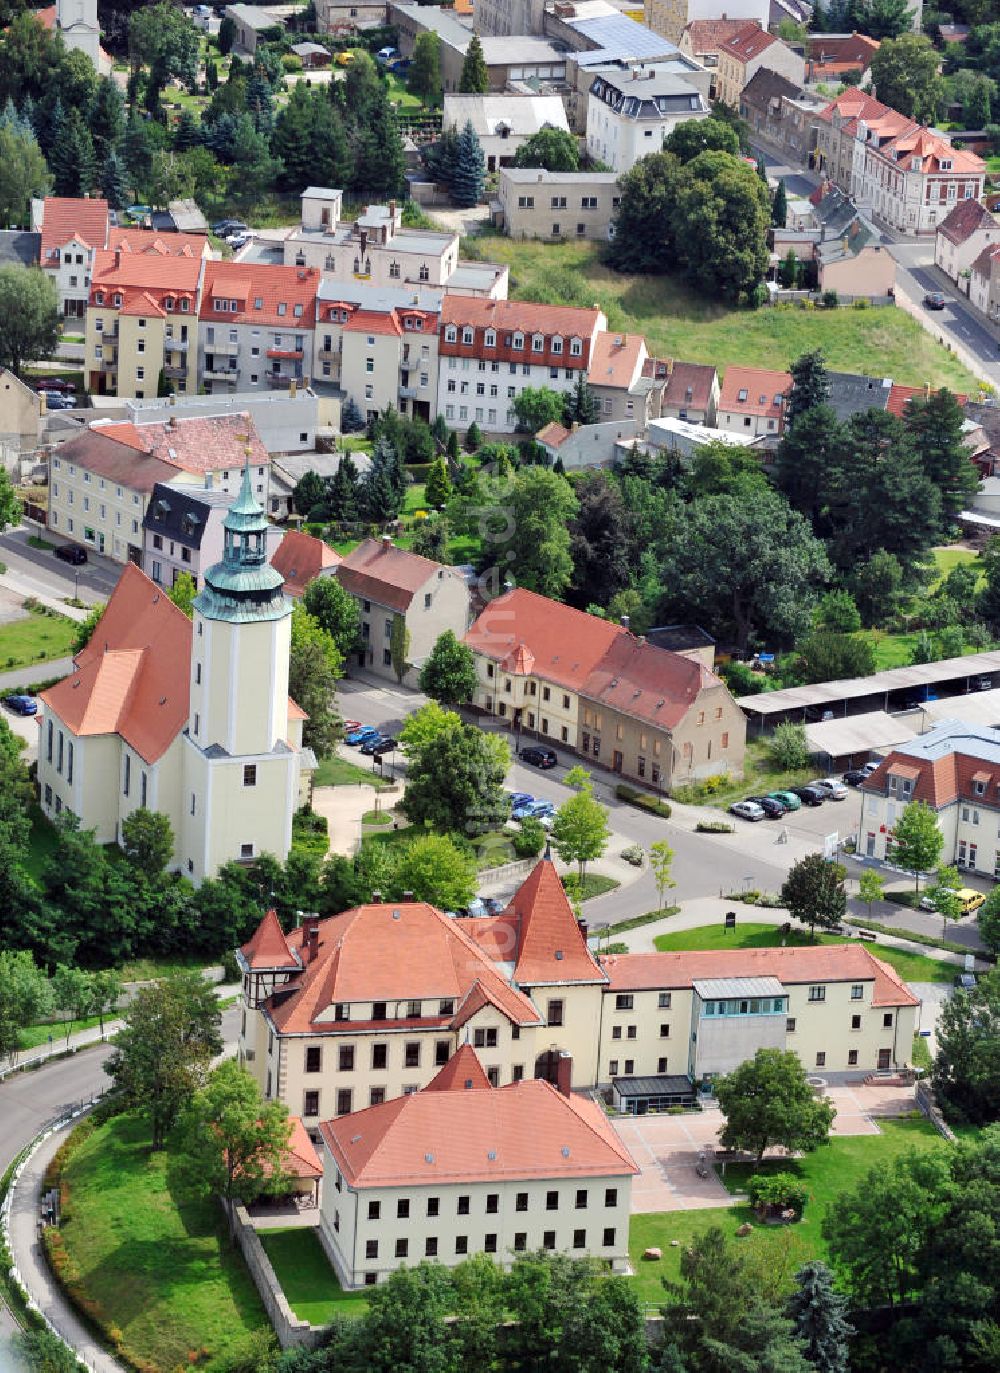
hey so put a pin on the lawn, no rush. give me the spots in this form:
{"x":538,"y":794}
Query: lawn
{"x":41,"y":844}
{"x":163,"y":1271}
{"x":912,"y":967}
{"x":309,"y":1283}
{"x":759,"y":777}
{"x":896,"y":650}
{"x":338,"y":772}
{"x":35,"y":1036}
{"x":37,"y":638}
{"x":594,"y":884}
{"x":831,"y":1170}
{"x":401,"y":97}
{"x":678,"y":323}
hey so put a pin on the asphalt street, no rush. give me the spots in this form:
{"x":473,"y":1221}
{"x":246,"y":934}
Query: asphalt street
{"x":94,"y":581}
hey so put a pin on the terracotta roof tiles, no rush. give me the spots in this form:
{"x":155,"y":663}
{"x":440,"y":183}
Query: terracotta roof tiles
{"x":616,"y":360}
{"x":287,"y":295}
{"x":749,"y":42}
{"x":300,"y":558}
{"x":379,"y":571}
{"x":566,"y":643}
{"x":650,"y":683}
{"x":764,"y":391}
{"x":690,"y":383}
{"x":528,"y":316}
{"x":708,"y":35}
{"x":268,"y":947}
{"x":65,"y":218}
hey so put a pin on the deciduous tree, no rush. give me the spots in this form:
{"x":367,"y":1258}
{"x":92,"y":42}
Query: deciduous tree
{"x":871,"y":887}
{"x":314,"y":667}
{"x":427,"y":723}
{"x":580,"y":830}
{"x":435,"y":869}
{"x":814,"y":892}
{"x":690,"y":137}
{"x":336,"y":611}
{"x":424,"y":77}
{"x":449,"y":674}
{"x":23,"y":174}
{"x":455,"y":782}
{"x":148,"y":841}
{"x":917,"y":840}
{"x":29,"y":317}
{"x":904,"y":71}
{"x":552,"y":149}
{"x":767,"y":1102}
{"x":25,"y":997}
{"x":966,"y":1072}
{"x":661,"y":860}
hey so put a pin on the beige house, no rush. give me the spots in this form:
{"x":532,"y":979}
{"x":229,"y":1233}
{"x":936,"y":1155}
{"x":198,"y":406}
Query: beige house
{"x":21,"y":413}
{"x":626,"y":382}
{"x":743,"y":55}
{"x":462,"y":1167}
{"x":752,"y":402}
{"x":407,"y":602}
{"x":856,"y":270}
{"x":532,"y":202}
{"x":671,"y":17}
{"x":984,"y":282}
{"x":702,"y":39}
{"x":961,"y":237}
{"x":574,"y":679}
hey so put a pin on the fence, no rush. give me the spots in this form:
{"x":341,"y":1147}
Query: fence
{"x":287,"y":1326}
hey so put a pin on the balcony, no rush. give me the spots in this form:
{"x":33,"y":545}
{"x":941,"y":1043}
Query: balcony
{"x":107,"y":335}
{"x":286,"y":354}
{"x":175,"y":373}
{"x":230,"y":374}
{"x":326,"y":355}
{"x":277,"y":381}
{"x":223,"y":348}
{"x":175,"y":345}
{"x":109,"y":364}
{"x":408,"y":392}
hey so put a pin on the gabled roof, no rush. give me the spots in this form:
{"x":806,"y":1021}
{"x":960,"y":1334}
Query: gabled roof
{"x":792,"y":967}
{"x":132,"y":678}
{"x":379,"y":571}
{"x":538,"y":934}
{"x":300,"y":558}
{"x":707,"y":35}
{"x":159,"y":245}
{"x":450,"y":1133}
{"x":153,"y":273}
{"x":983,"y":265}
{"x":840,"y":51}
{"x":900,"y":397}
{"x":764,"y":390}
{"x":553,"y":434}
{"x":300,"y":1157}
{"x":103,"y":452}
{"x":690,"y":383}
{"x":749,"y":42}
{"x":639,"y":679}
{"x":462,"y":1073}
{"x":524,"y":316}
{"x":766,"y":85}
{"x":932,"y":151}
{"x":616,"y":360}
{"x":279,"y":291}
{"x":65,"y":218}
{"x":194,"y":443}
{"x":566,"y":644}
{"x":267,"y":948}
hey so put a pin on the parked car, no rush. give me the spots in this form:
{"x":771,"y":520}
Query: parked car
{"x":934,"y":300}
{"x":519,"y":798}
{"x":965,"y":981}
{"x":747,"y":810}
{"x":360,"y":736}
{"x":773,"y":809}
{"x":855,"y":776}
{"x":222,"y":228}
{"x":831,"y":788}
{"x":809,"y":796}
{"x":787,"y":798}
{"x":54,"y":384}
{"x":528,"y":809}
{"x":351,"y":725}
{"x":58,"y":400}
{"x":21,"y":704}
{"x":386,"y":54}
{"x":540,"y":808}
{"x":72,"y":553}
{"x":539,"y":756}
{"x":383,"y":743}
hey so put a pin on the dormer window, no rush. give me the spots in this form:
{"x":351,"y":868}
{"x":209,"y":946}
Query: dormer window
{"x":517,"y":343}
{"x":169,"y":302}
{"x":300,"y":259}
{"x":538,"y":343}
{"x":468,"y":335}
{"x":450,"y":334}
{"x":219,"y":306}
{"x":946,"y":164}
{"x":99,"y":298}
{"x":118,"y":301}
{"x":916,"y":164}
{"x":979,"y":788}
{"x":490,"y":338}
{"x":575,"y":348}
{"x":234,"y":305}
{"x":742,"y":395}
{"x":329,"y":262}
{"x":185,"y":305}
{"x":557,"y":344}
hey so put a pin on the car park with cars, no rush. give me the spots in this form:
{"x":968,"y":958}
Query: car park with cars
{"x":809,"y":796}
{"x":747,"y":810}
{"x":773,"y":809}
{"x":787,"y":798}
{"x":855,"y":776}
{"x":539,"y":756}
{"x":831,"y":788}
{"x":382,"y":743}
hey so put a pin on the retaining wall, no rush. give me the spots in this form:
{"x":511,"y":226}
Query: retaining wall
{"x":287,"y":1326}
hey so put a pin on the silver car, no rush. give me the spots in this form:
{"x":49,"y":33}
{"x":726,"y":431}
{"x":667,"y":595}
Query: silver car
{"x":831,"y":787}
{"x":747,"y":810}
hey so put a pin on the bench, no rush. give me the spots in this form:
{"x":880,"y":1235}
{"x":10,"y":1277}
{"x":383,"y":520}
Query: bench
{"x":870,"y":935}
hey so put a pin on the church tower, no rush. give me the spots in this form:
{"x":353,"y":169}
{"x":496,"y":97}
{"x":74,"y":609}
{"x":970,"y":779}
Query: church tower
{"x":241,"y":775}
{"x":77,"y":22}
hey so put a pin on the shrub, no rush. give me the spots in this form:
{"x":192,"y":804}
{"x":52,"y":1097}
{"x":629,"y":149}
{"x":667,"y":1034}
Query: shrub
{"x":713,"y":827}
{"x":782,"y":1190}
{"x":749,"y":898}
{"x":861,"y":303}
{"x":291,"y":63}
{"x":830,"y":300}
{"x":529,"y":840}
{"x":789,"y":747}
{"x":639,"y":798}
{"x":634,"y":854}
{"x":770,"y":901}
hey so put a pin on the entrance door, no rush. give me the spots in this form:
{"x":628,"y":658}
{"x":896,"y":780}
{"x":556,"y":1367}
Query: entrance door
{"x":616,"y":761}
{"x":870,"y":844}
{"x":884,"y":1058}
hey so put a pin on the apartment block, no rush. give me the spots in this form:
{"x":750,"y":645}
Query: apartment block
{"x":555,"y":205}
{"x":256,"y":327}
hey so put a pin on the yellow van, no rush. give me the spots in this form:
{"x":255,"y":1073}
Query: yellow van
{"x":971,"y":900}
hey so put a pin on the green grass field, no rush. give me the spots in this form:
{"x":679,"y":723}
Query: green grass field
{"x":338,"y":772}
{"x":36,"y":639}
{"x":678,"y":323}
{"x":759,"y":777}
{"x":912,"y":967}
{"x":309,"y":1283}
{"x":41,"y":844}
{"x":162,"y":1270}
{"x":34,"y":1036}
{"x":830,"y":1171}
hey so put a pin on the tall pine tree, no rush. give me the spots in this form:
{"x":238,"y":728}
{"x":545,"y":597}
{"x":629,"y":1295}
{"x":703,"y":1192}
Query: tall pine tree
{"x":114,"y":182}
{"x":818,"y":1315}
{"x":470,"y":169}
{"x":107,"y":119}
{"x":475,"y":78}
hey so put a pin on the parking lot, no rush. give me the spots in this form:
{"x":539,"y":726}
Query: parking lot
{"x":666,"y":1148}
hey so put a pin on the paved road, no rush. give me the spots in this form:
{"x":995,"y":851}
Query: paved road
{"x":96,"y":579}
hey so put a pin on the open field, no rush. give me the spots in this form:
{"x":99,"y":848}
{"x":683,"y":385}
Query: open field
{"x":759,"y":777}
{"x":912,"y":967}
{"x":309,"y":1283}
{"x":678,"y":323}
{"x":159,"y":1268}
{"x":36,"y":639}
{"x":830,"y":1171}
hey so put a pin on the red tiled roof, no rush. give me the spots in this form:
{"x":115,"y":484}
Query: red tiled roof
{"x":616,"y":359}
{"x":761,"y":386}
{"x":983,"y":265}
{"x":647,"y":682}
{"x":932,"y":150}
{"x":145,"y":272}
{"x":463,"y":1072}
{"x":373,"y":322}
{"x":900,"y":397}
{"x":842,"y":50}
{"x":208,"y":443}
{"x":300,"y":558}
{"x":132,"y":678}
{"x":567,"y":644}
{"x":539,"y":934}
{"x":854,"y":103}
{"x":300,"y":1157}
{"x":65,"y":218}
{"x":267,"y":947}
{"x":708,"y":35}
{"x":963,"y":221}
{"x":452,"y":1134}
{"x":379,"y":571}
{"x":162,"y":245}
{"x":697,"y":377}
{"x":748,"y":43}
{"x":940,"y":781}
{"x":526,"y":316}
{"x":120,"y":460}
{"x":553,"y":434}
{"x":821,"y":963}
{"x":275,"y":287}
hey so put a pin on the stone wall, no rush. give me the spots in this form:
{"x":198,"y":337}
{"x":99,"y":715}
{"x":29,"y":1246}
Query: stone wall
{"x":287,"y":1326}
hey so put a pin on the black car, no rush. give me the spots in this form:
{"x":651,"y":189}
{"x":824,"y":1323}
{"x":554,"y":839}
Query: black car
{"x":773,"y":809}
{"x":71,"y":553}
{"x":382,"y":743}
{"x":539,"y":757}
{"x":809,"y":796}
{"x":934,"y":300}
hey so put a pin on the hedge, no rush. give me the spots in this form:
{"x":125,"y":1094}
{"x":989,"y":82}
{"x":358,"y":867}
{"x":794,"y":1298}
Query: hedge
{"x":644,"y":801}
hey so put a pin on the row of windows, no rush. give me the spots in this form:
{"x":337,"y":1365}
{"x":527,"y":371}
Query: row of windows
{"x":558,"y":202}
{"x":489,"y":1245}
{"x":402,"y":1010}
{"x":463,"y":1207}
{"x":515,"y":341}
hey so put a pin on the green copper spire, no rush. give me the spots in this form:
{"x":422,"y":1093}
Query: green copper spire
{"x":244,"y":586}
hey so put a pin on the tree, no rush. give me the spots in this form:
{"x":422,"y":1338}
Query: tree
{"x":335,"y":611}
{"x":106,"y":987}
{"x":473,"y":438}
{"x":227,"y":35}
{"x":779,"y":205}
{"x":424,"y":77}
{"x":107,"y":119}
{"x":475,"y":78}
{"x":537,"y":406}
{"x":837,"y":613}
{"x":10,"y":502}
{"x":455,"y":782}
{"x":814,"y":893}
{"x":773,"y":563}
{"x":824,"y":657}
{"x":871,"y":887}
{"x":690,"y":137}
{"x":577,"y":778}
{"x":427,"y":723}
{"x":29,"y":317}
{"x":148,"y":841}
{"x":314,"y":667}
{"x":768,"y":1102}
{"x":114,"y":183}
{"x":164,"y":1050}
{"x":449,"y":674}
{"x":580,"y":830}
{"x":437,"y":491}
{"x":164,"y":41}
{"x":917,"y":841}
{"x":810,"y":386}
{"x":789,"y":747}
{"x":183,"y":592}
{"x":23,"y":174}
{"x":25,"y":997}
{"x":554,"y":150}
{"x":435,"y":869}
{"x":661,"y":860}
{"x":723,"y":214}
{"x":71,"y":993}
{"x":935,"y":424}
{"x":470,"y":168}
{"x":381,"y":164}
{"x":644,"y":230}
{"x":580,"y":405}
{"x":43,"y":1351}
{"x":818,"y":1314}
{"x":71,"y":154}
{"x":904,"y":71}
{"x":599,"y":541}
{"x":944,"y":894}
{"x":534,"y":534}
{"x":399,"y":647}
{"x":85,"y":628}
{"x":988,"y":921}
{"x":877,"y":586}
{"x":230,"y":1142}
{"x":885,"y":19}
{"x":966,"y":1071}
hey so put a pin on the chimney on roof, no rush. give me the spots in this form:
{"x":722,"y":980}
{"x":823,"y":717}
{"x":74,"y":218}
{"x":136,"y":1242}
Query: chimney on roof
{"x":564,"y":1074}
{"x":583,"y":927}
{"x":310,"y":937}
{"x":172,"y":422}
{"x":386,"y":542}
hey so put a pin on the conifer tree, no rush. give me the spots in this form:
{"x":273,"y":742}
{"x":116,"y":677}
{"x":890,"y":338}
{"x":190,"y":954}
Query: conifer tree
{"x":186,"y":133}
{"x":470,"y":169}
{"x":107,"y":119}
{"x":475,"y":78}
{"x":779,"y":206}
{"x":438,"y":487}
{"x":817,"y":1312}
{"x":114,"y":182}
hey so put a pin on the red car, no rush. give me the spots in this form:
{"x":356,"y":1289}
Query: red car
{"x":351,"y":725}
{"x":54,"y":384}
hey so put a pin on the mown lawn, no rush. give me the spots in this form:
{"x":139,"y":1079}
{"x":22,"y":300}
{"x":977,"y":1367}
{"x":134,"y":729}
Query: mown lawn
{"x":912,"y":967}
{"x":338,"y":772}
{"x":162,"y":1270}
{"x":759,"y":777}
{"x":36,"y":639}
{"x":35,"y":1036}
{"x":310,"y":1284}
{"x":832,"y":1170}
{"x":41,"y":844}
{"x":678,"y":323}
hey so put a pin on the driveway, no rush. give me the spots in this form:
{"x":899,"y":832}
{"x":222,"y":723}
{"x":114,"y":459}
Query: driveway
{"x":666,"y":1148}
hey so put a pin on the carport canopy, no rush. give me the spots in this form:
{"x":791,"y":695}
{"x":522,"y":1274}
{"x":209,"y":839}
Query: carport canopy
{"x":876,"y":732}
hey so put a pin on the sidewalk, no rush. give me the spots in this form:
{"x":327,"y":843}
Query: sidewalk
{"x":29,"y":1260}
{"x":22,"y":586}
